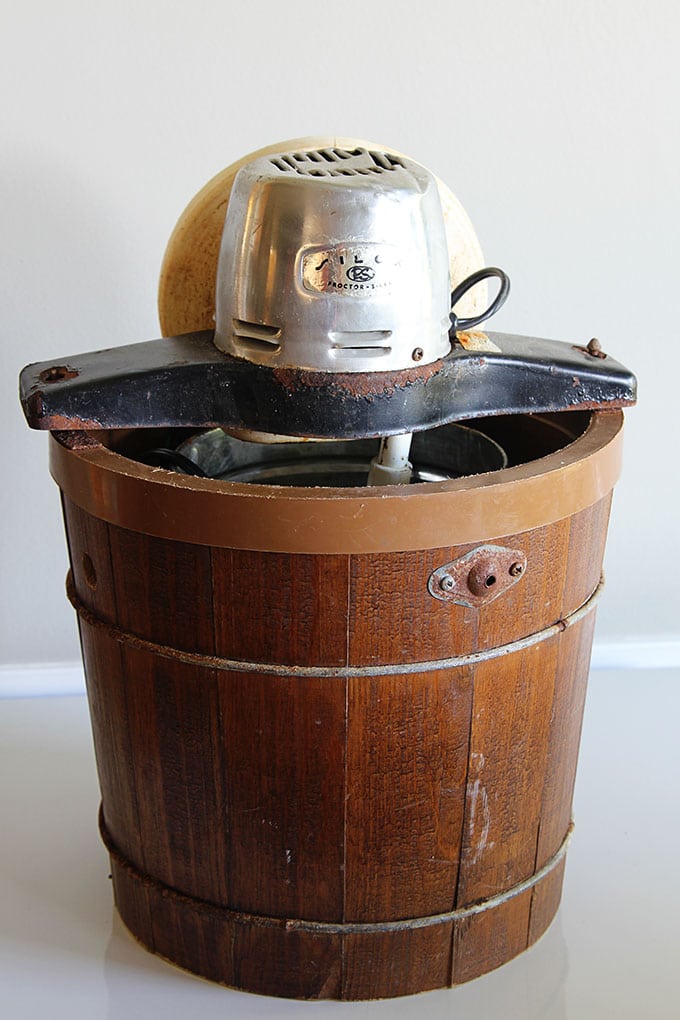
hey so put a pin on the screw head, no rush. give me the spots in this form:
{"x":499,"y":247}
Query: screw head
{"x":516,"y":569}
{"x":418,"y":354}
{"x":447,"y":583}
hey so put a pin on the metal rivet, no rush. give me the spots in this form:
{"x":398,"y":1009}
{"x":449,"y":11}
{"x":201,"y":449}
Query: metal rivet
{"x":594,"y":348}
{"x":417,"y":354}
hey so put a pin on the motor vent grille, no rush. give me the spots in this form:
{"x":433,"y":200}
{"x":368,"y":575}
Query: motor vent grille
{"x":336,"y":162}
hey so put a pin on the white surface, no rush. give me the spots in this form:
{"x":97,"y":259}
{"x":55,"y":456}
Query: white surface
{"x":55,"y":679}
{"x":555,"y":123}
{"x":612,"y":952}
{"x":41,"y":679}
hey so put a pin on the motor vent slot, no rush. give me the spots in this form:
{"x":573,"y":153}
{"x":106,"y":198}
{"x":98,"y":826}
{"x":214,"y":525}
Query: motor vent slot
{"x":366,"y":344}
{"x":336,"y":162}
{"x":257,"y":330}
{"x":360,"y":352}
{"x":257,"y":336}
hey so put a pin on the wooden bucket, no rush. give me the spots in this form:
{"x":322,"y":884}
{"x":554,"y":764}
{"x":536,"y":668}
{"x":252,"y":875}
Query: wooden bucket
{"x":319,"y":779}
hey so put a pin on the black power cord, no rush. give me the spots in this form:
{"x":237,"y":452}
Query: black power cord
{"x":467,"y":284}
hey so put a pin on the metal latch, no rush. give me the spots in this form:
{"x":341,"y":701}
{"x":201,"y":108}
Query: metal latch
{"x":479,"y":577}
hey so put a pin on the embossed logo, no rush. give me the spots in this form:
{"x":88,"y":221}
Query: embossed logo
{"x":352,"y":270}
{"x":360,"y":274}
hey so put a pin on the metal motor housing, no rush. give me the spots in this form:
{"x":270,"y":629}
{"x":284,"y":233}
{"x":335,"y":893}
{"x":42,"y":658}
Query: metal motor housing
{"x":334,"y":260}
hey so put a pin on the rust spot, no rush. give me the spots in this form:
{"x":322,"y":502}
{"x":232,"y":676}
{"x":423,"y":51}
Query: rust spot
{"x":76,"y":440}
{"x":478,"y":577}
{"x":57,"y":373}
{"x":356,"y":384}
{"x":476,"y":340}
{"x":600,"y":405}
{"x":62,"y":423}
{"x":40,"y":417}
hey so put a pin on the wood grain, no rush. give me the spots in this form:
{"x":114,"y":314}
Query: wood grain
{"x":208,"y":941}
{"x":114,"y":749}
{"x":386,"y":964}
{"x":90,"y":557}
{"x":393,"y":617}
{"x":173,"y":720}
{"x":536,"y":601}
{"x":560,"y":770}
{"x":587,"y":535}
{"x":407,"y":749}
{"x":511,"y":710}
{"x":508,"y":749}
{"x":336,"y":799}
{"x":163,"y":590}
{"x":486,"y":941}
{"x":284,"y":760}
{"x":277,"y":607}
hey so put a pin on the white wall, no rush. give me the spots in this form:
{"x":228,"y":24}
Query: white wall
{"x":555,"y":123}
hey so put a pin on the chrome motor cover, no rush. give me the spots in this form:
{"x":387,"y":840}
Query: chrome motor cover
{"x":334,"y":260}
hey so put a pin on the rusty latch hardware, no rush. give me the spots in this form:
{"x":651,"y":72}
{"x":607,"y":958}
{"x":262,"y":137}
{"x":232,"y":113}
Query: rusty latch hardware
{"x":479,"y":577}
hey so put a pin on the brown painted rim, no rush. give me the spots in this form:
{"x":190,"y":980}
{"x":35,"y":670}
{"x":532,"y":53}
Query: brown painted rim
{"x":234,"y":515}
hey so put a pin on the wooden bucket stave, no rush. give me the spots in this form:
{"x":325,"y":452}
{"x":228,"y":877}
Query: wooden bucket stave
{"x":311,"y":770}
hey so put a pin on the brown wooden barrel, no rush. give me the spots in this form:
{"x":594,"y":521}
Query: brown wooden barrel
{"x":318,"y":779}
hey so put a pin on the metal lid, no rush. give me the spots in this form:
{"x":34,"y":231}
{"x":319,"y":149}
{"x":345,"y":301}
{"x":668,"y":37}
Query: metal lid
{"x":334,"y":259}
